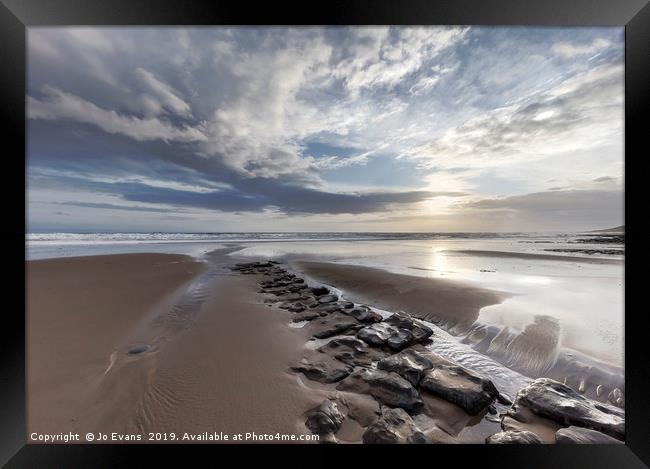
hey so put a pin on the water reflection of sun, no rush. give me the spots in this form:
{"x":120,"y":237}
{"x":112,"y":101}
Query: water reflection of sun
{"x":438,"y":261}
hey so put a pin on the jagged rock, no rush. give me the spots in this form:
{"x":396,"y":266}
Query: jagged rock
{"x":402,"y":320}
{"x":377,"y":334}
{"x":465,"y":388}
{"x":397,"y":332}
{"x":513,"y":438}
{"x":556,"y":401}
{"x":351,"y":351}
{"x":326,"y":308}
{"x":394,"y":426}
{"x":326,"y":418}
{"x":388,"y":388}
{"x":400,"y":339}
{"x":363,"y":314}
{"x":327,"y":299}
{"x":305,"y":316}
{"x":579,"y":435}
{"x":409,"y":364}
{"x":321,"y":370}
{"x":504,"y":399}
{"x":318,"y":291}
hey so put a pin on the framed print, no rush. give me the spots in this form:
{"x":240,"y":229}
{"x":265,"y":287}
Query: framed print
{"x":368,"y":224}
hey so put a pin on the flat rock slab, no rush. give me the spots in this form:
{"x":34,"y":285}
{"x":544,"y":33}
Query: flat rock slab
{"x":556,"y":401}
{"x":579,"y":435}
{"x":467,"y":389}
{"x":388,"y":388}
{"x":409,"y":364}
{"x":332,"y":324}
{"x":513,"y":438}
{"x":394,"y":426}
{"x":322,"y":370}
{"x":351,"y":351}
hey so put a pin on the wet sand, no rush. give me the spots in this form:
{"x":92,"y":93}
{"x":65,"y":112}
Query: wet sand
{"x":103,"y":355}
{"x":432,"y":299}
{"x":538,"y":257}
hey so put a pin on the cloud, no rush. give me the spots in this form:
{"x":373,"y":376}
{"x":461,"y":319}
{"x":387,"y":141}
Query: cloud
{"x":321,"y":120}
{"x":57,"y":104}
{"x":131,"y":208}
{"x":167,"y":95}
{"x":569,"y":49}
{"x":561,"y":209}
{"x":574,"y":115}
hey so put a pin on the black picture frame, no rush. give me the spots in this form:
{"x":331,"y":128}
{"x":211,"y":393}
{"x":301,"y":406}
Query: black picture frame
{"x":634,"y":15}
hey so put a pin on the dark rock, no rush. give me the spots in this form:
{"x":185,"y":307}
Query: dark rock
{"x":388,"y":388}
{"x":327,"y":299}
{"x":326,"y":418}
{"x":394,"y":426}
{"x":306,"y":316}
{"x":322,"y":371}
{"x":351,"y":351}
{"x":465,"y":388}
{"x":347,"y":304}
{"x":400,"y":339}
{"x":579,"y":435}
{"x":513,"y":438}
{"x":377,"y":334}
{"x":326,"y":308}
{"x":335,"y":329}
{"x":409,"y":364}
{"x":504,"y":399}
{"x":402,"y":320}
{"x":318,"y":291}
{"x":556,"y":401}
{"x":363,"y":314}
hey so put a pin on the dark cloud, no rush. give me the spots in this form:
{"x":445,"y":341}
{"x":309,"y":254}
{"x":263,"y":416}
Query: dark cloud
{"x":577,"y":208}
{"x":118,"y":207}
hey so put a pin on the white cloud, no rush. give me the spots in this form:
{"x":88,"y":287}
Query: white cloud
{"x":58,"y":104}
{"x":167,"y":95}
{"x":569,"y":49}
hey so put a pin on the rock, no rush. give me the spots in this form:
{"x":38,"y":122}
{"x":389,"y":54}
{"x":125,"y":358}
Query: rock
{"x":400,"y":339}
{"x":306,"y":316}
{"x":579,"y":435}
{"x":388,"y":388}
{"x":513,"y":438}
{"x":318,"y":291}
{"x":297,"y":308}
{"x":468,"y":390}
{"x":326,"y":418}
{"x":396,"y":332}
{"x":333,"y":329}
{"x":377,"y":334}
{"x":504,"y":399}
{"x":394,"y":426}
{"x":351,"y":351}
{"x":326,"y":308}
{"x":327,"y":299}
{"x":556,"y":401}
{"x":347,"y":304}
{"x":321,"y":370}
{"x":364,"y":314}
{"x":409,"y":364}
{"x":402,"y":320}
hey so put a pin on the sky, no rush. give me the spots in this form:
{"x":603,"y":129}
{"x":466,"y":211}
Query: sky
{"x":232,"y":129}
